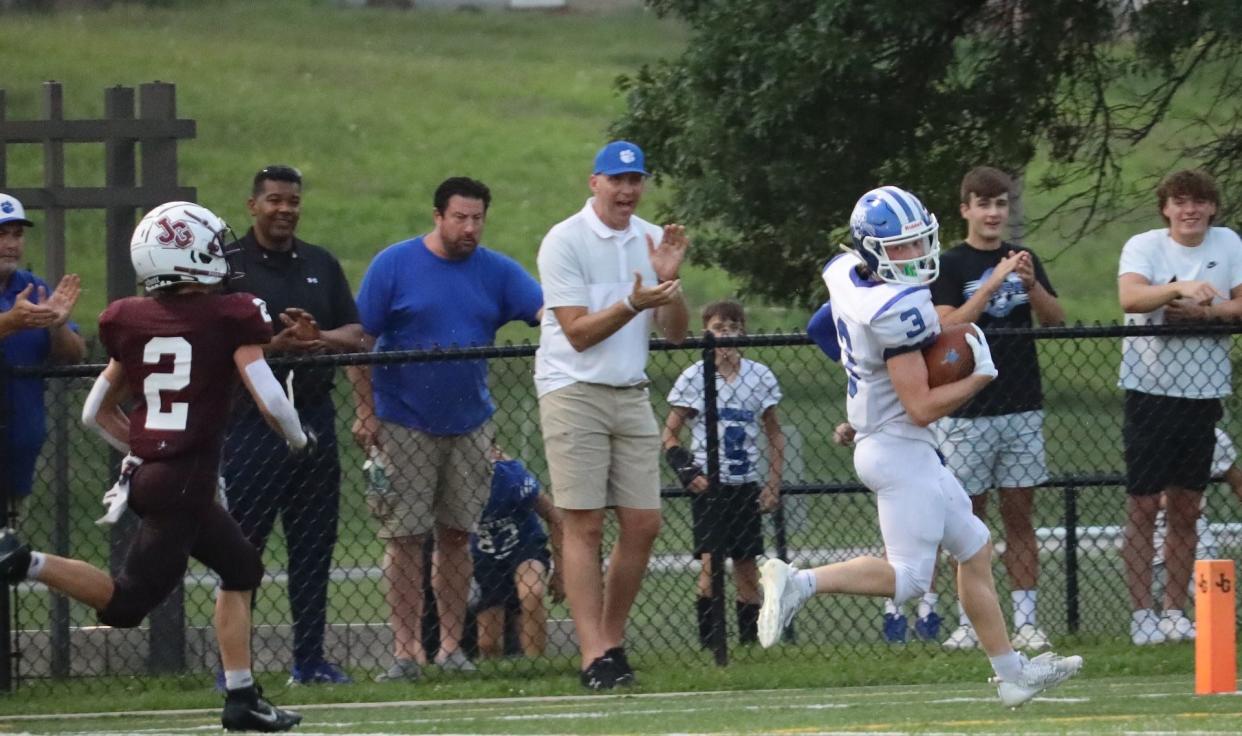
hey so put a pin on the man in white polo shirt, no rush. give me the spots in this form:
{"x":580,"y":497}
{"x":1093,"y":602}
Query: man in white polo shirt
{"x":607,"y":276}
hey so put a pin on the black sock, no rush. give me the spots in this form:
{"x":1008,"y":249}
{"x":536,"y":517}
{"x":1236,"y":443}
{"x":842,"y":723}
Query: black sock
{"x":747,"y":622}
{"x":703,"y":609}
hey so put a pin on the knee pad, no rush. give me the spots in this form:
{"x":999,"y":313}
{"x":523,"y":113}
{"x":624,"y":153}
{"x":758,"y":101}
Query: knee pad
{"x":910,"y":582}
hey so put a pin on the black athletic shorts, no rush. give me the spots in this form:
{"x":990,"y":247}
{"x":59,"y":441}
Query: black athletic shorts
{"x":1169,"y":442}
{"x":734,"y":512}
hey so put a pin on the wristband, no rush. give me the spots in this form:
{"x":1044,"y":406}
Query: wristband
{"x":682,"y":463}
{"x":629,"y":304}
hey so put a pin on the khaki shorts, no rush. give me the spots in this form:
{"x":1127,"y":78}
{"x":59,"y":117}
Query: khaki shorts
{"x":433,"y":479}
{"x":602,"y":445}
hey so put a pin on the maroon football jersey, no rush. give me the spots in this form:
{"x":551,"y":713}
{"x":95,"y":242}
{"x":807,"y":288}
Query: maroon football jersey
{"x":177,"y":352}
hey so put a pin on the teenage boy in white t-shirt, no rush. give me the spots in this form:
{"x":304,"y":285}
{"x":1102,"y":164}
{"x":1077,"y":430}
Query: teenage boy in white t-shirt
{"x":747,"y":393}
{"x":1188,"y":271}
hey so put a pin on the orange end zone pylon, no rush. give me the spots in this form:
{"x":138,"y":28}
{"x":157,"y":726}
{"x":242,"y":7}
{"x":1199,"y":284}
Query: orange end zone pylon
{"x":1216,"y":650}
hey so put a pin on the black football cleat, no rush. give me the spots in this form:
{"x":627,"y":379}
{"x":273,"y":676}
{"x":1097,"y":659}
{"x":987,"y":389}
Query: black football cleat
{"x":14,"y":557}
{"x":247,"y":710}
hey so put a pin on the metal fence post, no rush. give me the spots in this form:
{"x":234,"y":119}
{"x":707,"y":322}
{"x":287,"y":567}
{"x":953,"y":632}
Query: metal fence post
{"x":716,"y":533}
{"x":1070,"y":495}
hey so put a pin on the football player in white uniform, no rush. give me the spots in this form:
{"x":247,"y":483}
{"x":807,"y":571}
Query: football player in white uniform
{"x":884,"y":316}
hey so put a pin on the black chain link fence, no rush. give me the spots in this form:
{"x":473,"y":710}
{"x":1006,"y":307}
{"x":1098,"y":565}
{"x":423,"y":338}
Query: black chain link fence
{"x":825,"y":516}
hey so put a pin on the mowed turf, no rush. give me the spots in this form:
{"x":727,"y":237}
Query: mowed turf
{"x":1133,"y":705}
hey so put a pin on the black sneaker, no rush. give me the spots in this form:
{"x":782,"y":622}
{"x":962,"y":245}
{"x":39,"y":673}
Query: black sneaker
{"x":601,"y":674}
{"x":247,"y":710}
{"x":621,"y":666}
{"x":14,"y":557}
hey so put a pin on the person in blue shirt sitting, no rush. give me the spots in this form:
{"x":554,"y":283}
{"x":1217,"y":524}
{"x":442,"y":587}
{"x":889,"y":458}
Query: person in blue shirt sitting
{"x":511,"y":558}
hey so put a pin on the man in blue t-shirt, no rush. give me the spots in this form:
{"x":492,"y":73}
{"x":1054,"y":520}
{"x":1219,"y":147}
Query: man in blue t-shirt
{"x":34,"y":330}
{"x":431,"y":419}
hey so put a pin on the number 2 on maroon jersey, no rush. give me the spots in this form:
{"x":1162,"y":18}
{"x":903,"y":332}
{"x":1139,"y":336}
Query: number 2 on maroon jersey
{"x":174,"y":418}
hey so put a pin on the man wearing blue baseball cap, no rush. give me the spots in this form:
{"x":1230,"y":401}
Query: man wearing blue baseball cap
{"x":608,"y":277}
{"x":34,"y":330}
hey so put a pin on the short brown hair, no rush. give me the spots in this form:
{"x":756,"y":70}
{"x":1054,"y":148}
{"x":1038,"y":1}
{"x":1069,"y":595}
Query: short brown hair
{"x":726,"y":309}
{"x":985,"y":181}
{"x":1194,"y":183}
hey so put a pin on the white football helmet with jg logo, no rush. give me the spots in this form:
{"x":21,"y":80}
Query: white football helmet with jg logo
{"x":178,"y":243}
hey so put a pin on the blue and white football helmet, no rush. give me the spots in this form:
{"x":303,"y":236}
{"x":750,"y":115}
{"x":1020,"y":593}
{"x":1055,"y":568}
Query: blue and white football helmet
{"x":891,"y":216}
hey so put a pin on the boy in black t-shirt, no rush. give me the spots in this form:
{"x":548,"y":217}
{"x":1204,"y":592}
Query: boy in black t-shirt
{"x":996,"y":439}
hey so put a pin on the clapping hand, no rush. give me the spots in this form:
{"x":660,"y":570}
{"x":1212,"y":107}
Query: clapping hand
{"x":301,"y":332}
{"x":643,"y":297}
{"x":1025,"y":269}
{"x":47,"y":312}
{"x":667,"y":257}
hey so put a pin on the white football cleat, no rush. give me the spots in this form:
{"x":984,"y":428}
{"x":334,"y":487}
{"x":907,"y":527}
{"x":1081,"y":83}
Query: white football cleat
{"x":1145,"y":628}
{"x":1031,"y":638}
{"x":1042,"y":673}
{"x":781,"y":600}
{"x":1176,"y":626}
{"x":963,"y":637}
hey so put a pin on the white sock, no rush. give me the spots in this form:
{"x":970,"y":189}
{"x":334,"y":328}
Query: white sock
{"x":805,"y":580}
{"x":962,"y":618}
{"x":37,"y":561}
{"x":927,"y":605}
{"x":1023,"y":608}
{"x":1140,"y":616}
{"x":1008,"y":667}
{"x":238,"y":679}
{"x":890,"y":608}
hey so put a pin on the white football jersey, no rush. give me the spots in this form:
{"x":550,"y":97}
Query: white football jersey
{"x":877,"y":320}
{"x":741,"y":404}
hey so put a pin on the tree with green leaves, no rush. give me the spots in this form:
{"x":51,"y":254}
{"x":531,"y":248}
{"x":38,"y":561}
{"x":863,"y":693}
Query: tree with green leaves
{"x":779,"y":114}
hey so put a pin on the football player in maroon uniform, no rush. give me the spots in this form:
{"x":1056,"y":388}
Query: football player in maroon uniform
{"x":175,"y":356}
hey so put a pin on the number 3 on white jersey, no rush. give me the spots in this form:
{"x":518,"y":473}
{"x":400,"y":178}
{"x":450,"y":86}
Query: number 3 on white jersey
{"x":175,"y":418}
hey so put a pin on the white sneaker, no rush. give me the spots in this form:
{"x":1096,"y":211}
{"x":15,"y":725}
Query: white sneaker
{"x":1042,"y":673}
{"x":781,"y":600}
{"x":963,"y":637}
{"x":1030,"y":638}
{"x":1145,"y":629}
{"x":1175,"y":626}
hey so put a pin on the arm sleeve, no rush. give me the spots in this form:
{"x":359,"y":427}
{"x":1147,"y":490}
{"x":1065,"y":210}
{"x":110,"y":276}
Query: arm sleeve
{"x":344,"y":310}
{"x":252,"y":325}
{"x":1041,"y":275}
{"x":687,"y":390}
{"x":523,"y":295}
{"x":564,"y":281}
{"x":269,"y":395}
{"x":907,"y":323}
{"x":822,"y":330}
{"x":770,"y":388}
{"x":1135,"y":259}
{"x":375,"y":294}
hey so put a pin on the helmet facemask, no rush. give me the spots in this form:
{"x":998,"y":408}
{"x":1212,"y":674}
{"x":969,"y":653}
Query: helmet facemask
{"x":920,"y":268}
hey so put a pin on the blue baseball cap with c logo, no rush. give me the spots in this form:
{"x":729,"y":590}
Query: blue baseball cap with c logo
{"x":620,"y":157}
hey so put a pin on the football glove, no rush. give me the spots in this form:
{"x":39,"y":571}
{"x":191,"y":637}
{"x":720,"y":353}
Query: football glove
{"x":682,"y":463}
{"x":983,"y":354}
{"x":116,"y":498}
{"x":312,"y":442}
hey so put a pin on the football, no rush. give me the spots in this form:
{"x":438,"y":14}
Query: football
{"x":949,"y":358}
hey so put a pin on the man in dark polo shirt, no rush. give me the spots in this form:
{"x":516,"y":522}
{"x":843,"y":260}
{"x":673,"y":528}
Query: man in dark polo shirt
{"x":306,"y":290}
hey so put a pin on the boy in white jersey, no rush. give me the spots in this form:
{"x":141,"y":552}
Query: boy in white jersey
{"x":884,"y":315}
{"x":747,"y":393}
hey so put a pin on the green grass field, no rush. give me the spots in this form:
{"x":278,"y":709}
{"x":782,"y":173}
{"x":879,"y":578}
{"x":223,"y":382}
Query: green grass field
{"x":1131,"y":705}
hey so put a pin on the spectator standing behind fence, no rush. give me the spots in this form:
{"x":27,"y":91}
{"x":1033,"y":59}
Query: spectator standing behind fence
{"x":34,"y":330}
{"x":608,"y":276}
{"x":884,"y":315}
{"x":304,"y":285}
{"x":747,"y":393}
{"x":996,"y":440}
{"x":511,"y":559}
{"x":432,"y":420}
{"x":1187,"y":272}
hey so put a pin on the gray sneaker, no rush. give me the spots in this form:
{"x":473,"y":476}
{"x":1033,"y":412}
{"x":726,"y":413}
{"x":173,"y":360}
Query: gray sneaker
{"x":457,"y":661}
{"x":402,"y":670}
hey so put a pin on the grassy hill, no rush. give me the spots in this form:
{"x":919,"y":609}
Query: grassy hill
{"x":377,"y":106}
